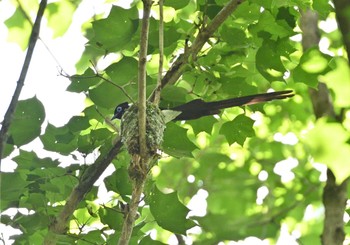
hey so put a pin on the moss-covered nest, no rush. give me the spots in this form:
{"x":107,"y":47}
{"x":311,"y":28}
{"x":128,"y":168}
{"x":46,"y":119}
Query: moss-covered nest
{"x":155,"y":126}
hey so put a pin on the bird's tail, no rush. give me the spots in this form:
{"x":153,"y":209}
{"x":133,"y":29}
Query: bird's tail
{"x":250,"y":99}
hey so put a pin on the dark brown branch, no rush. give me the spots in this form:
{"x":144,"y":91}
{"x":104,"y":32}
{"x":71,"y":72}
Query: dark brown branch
{"x":178,"y":66}
{"x":343,"y":18}
{"x":91,"y":175}
{"x":334,"y":196}
{"x":321,"y":101}
{"x":11,"y":109}
{"x":334,"y":199}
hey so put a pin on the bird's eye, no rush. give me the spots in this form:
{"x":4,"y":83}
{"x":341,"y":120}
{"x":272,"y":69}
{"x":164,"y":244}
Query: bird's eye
{"x":119,"y":109}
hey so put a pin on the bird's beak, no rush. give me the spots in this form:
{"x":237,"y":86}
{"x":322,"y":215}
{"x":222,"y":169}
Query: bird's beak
{"x":114,"y":117}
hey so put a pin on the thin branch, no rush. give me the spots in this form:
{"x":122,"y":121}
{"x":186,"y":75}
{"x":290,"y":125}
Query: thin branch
{"x":161,"y":54}
{"x":130,"y":216}
{"x":92,"y":173}
{"x":116,"y":85}
{"x":142,"y":77}
{"x":62,"y":73}
{"x":111,"y":82}
{"x":178,"y":66}
{"x":26,"y":16}
{"x":139,"y":163}
{"x":11,"y":109}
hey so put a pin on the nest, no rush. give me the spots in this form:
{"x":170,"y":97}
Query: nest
{"x":155,"y":126}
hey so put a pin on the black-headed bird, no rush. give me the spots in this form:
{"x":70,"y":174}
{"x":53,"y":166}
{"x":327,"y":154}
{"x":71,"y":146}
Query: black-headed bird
{"x":198,"y":108}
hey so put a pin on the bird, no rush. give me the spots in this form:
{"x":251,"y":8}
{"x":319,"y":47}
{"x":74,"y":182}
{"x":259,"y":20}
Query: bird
{"x":198,"y":108}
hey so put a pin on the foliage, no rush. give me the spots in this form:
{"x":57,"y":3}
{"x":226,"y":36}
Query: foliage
{"x":257,"y":165}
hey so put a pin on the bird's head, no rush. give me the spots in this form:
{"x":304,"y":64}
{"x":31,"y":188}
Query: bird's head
{"x":119,"y":110}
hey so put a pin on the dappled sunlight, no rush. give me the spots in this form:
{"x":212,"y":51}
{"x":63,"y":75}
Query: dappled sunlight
{"x":284,"y":169}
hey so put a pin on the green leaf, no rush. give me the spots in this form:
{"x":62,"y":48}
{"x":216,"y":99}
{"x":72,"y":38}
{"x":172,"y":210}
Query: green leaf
{"x":169,"y":212}
{"x":285,"y":17}
{"x":80,"y":83}
{"x":323,"y":7}
{"x":19,"y":29}
{"x":172,"y":95}
{"x":204,"y":124}
{"x":30,"y":161}
{"x":59,"y":140}
{"x":106,"y":95}
{"x":268,"y":62}
{"x":111,"y":217}
{"x":64,"y":183}
{"x":301,"y":76}
{"x":26,"y":123}
{"x":149,"y":241}
{"x":117,"y":30}
{"x":176,"y":142}
{"x":94,"y":236}
{"x":210,"y":8}
{"x":268,"y":23}
{"x":312,"y":64}
{"x":313,"y":61}
{"x":338,"y":80}
{"x":60,"y":16}
{"x":12,"y":187}
{"x":238,"y":130}
{"x":172,"y":33}
{"x":78,"y":123}
{"x":33,"y":224}
{"x":100,"y":134}
{"x":247,"y":13}
{"x":176,"y":4}
{"x":85,"y":144}
{"x":119,"y":182}
{"x":329,"y":145}
{"x":234,"y":37}
{"x":34,"y":201}
{"x":8,"y":149}
{"x":214,"y":159}
{"x":124,"y":71}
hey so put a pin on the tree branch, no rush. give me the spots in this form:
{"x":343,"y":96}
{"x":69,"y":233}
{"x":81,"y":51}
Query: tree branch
{"x":12,"y":107}
{"x":91,"y":175}
{"x":334,"y":199}
{"x":139,"y":164}
{"x":142,"y":77}
{"x":178,"y":66}
{"x":343,"y":18}
{"x":334,"y":196}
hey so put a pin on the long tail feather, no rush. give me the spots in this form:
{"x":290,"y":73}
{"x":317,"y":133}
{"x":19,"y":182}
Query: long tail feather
{"x":249,"y":100}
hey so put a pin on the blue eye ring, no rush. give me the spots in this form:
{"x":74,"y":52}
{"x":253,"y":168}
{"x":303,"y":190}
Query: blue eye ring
{"x":119,"y":109}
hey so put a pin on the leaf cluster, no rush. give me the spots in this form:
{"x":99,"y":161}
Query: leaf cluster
{"x":220,"y":161}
